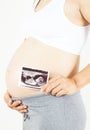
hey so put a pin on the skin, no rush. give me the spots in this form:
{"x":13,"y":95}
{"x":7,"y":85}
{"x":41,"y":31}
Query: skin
{"x":59,"y":85}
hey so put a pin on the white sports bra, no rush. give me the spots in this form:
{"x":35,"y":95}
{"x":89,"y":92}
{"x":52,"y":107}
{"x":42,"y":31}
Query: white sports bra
{"x":52,"y":27}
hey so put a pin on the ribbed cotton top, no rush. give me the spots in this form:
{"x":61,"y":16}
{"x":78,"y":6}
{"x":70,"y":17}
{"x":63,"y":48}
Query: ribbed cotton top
{"x":52,"y":27}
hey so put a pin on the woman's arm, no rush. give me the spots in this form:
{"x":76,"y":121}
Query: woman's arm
{"x":83,"y":77}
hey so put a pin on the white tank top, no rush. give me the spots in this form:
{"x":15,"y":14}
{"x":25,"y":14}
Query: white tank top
{"x":52,"y":27}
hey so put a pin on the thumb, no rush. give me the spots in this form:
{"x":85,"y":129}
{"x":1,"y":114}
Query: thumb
{"x":8,"y":98}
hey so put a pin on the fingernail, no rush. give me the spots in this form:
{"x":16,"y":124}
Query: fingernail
{"x":19,"y":101}
{"x":25,"y":110}
{"x":25,"y":106}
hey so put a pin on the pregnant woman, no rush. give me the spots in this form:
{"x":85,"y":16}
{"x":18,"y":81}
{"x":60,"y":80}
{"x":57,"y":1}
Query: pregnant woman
{"x":56,"y":31}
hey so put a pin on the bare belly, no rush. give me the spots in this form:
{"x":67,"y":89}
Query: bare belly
{"x":34,"y":54}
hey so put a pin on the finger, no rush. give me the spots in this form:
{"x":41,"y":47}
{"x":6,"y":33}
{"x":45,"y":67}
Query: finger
{"x":15,"y":104}
{"x":52,"y":86}
{"x":56,"y":90}
{"x":23,"y":111}
{"x":49,"y":83}
{"x":21,"y":107}
{"x":7,"y":98}
{"x":61,"y":93}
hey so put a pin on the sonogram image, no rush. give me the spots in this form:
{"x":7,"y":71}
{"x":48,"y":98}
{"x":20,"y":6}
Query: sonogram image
{"x":33,"y":78}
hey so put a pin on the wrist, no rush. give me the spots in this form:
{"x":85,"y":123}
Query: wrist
{"x":76,"y":83}
{"x":79,"y":81}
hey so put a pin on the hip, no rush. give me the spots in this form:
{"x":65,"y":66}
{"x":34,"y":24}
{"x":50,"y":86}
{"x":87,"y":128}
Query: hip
{"x":50,"y":112}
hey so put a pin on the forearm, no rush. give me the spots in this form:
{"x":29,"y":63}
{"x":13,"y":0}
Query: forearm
{"x":82,"y":78}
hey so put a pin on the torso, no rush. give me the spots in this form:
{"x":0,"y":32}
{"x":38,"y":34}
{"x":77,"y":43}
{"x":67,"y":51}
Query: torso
{"x":33,"y":53}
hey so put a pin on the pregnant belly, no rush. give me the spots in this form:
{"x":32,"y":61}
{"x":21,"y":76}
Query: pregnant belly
{"x":33,"y":54}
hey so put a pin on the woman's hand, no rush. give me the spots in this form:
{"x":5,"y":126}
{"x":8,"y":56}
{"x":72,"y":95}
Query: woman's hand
{"x":15,"y":105}
{"x":59,"y":85}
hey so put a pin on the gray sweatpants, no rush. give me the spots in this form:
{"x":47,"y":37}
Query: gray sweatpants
{"x":47,"y":112}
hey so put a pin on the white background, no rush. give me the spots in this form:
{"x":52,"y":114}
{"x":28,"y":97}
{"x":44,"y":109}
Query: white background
{"x":11,"y":36}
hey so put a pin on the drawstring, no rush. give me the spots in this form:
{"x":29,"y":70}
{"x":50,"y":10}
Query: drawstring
{"x":26,"y":116}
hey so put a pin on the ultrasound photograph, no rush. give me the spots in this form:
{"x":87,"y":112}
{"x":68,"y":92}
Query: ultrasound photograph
{"x":33,"y":78}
